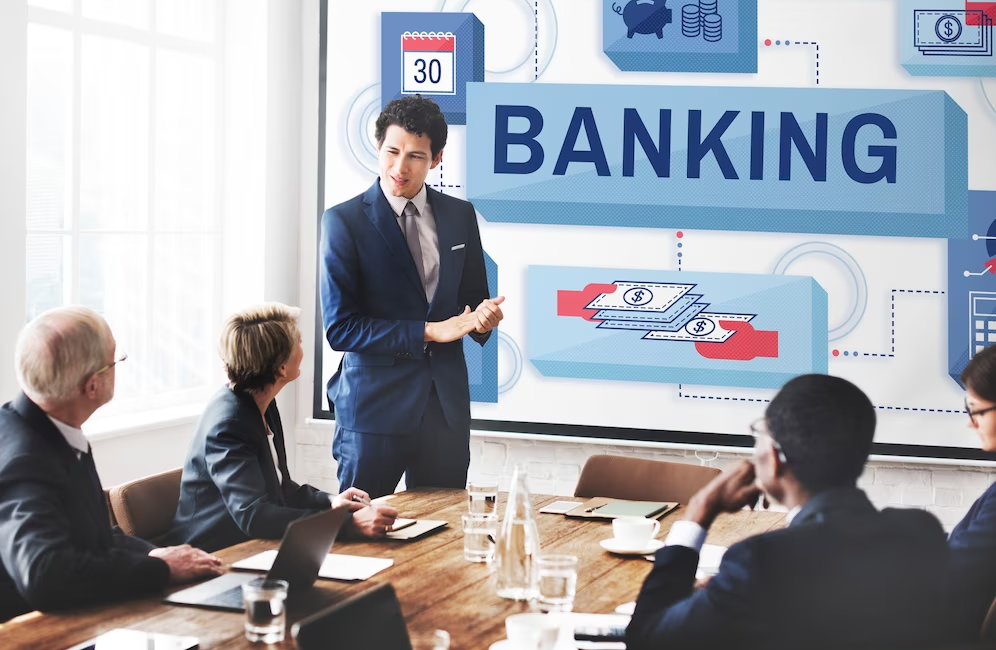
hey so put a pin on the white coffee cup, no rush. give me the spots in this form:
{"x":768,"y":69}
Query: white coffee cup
{"x":634,"y":532}
{"x":532,"y":631}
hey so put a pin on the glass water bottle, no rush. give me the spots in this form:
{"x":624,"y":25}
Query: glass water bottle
{"x":518,"y":542}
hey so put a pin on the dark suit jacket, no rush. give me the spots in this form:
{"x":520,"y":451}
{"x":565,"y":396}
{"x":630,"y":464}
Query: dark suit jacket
{"x":57,"y":546}
{"x":973,"y":565}
{"x":843,"y":575}
{"x":229,"y":492}
{"x":374,"y":309}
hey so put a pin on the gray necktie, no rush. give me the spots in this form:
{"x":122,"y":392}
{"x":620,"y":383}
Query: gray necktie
{"x":410,"y":216}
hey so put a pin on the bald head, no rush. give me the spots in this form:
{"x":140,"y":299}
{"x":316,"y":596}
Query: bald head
{"x":58,"y":350}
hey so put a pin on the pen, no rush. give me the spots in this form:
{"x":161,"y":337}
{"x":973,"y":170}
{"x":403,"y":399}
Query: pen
{"x":359,"y":499}
{"x":594,"y":508}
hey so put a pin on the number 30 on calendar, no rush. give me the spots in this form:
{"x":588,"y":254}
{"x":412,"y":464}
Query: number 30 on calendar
{"x":427,"y":63}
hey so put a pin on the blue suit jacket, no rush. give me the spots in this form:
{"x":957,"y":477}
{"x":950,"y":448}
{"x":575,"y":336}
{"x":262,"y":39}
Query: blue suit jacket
{"x":973,"y":565}
{"x":230,"y":492}
{"x":374,"y":309}
{"x":843,"y":575}
{"x":57,"y":546}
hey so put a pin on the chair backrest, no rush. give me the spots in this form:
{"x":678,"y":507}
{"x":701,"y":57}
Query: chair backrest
{"x":988,"y":633}
{"x":110,"y":510}
{"x":641,"y":479}
{"x":145,"y":507}
{"x":372,"y":619}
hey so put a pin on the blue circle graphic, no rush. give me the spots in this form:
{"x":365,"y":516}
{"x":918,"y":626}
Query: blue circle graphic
{"x":364,"y":108}
{"x":513,"y":379}
{"x":844,"y":328}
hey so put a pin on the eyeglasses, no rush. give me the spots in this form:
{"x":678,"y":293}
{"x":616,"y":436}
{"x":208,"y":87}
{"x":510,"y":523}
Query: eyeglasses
{"x":759,"y":428}
{"x":974,"y":414}
{"x":124,"y":356}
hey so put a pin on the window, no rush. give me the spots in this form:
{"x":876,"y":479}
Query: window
{"x":124,"y":175}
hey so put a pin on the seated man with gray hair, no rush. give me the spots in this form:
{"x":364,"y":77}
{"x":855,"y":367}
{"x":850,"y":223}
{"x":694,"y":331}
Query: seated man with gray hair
{"x":57,"y":547}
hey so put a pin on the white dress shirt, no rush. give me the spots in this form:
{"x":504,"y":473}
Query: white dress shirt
{"x":690,"y":535}
{"x":273,"y":452}
{"x":75,"y":437}
{"x":427,"y":237}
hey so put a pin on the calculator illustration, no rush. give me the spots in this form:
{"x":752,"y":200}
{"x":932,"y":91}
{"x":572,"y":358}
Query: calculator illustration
{"x":981,"y":321}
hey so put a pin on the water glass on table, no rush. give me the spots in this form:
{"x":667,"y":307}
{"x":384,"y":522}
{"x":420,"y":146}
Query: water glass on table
{"x":265,"y":612}
{"x":482,"y":498}
{"x":429,"y":639}
{"x":557,"y":578}
{"x":479,"y":534}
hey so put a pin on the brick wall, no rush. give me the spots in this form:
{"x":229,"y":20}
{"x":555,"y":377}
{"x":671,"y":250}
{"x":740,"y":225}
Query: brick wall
{"x":946,"y":491}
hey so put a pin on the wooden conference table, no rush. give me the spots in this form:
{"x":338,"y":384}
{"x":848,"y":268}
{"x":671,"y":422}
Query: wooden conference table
{"x":437,"y":588}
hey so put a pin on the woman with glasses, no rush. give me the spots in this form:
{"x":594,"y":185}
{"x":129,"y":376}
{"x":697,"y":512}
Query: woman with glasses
{"x":236,"y":484}
{"x":973,"y":541}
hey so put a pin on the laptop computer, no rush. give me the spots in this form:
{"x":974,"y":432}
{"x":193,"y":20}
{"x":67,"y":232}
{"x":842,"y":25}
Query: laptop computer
{"x":372,"y":619}
{"x":304,"y":547}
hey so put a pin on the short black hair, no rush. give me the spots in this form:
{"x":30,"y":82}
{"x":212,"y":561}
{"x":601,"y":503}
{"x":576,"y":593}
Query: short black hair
{"x":415,"y":114}
{"x":980,"y":374}
{"x":825,"y":426}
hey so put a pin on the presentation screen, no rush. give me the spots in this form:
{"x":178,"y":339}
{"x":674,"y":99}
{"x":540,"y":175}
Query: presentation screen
{"x":685,"y":205}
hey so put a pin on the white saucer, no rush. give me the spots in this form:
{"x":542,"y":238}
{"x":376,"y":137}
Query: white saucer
{"x":613,"y":546}
{"x":504,"y":644}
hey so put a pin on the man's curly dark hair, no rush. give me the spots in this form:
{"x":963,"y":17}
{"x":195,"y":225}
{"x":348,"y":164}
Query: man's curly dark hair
{"x":415,"y":114}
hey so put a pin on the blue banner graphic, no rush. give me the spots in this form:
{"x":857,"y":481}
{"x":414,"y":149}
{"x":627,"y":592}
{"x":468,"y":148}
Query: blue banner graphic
{"x":856,"y":162}
{"x":723,"y":329}
{"x":972,"y":285}
{"x":697,"y":36}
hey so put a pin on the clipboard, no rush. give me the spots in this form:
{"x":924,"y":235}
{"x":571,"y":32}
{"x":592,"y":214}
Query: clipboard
{"x":606,"y":508}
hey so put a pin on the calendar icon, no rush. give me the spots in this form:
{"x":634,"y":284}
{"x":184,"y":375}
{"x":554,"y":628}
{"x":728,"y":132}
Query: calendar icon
{"x":428,"y":63}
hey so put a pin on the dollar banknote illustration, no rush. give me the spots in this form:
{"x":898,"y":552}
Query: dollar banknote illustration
{"x":953,"y":32}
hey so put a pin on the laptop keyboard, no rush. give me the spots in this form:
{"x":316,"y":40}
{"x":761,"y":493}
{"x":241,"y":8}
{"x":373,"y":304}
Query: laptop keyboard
{"x":228,"y":598}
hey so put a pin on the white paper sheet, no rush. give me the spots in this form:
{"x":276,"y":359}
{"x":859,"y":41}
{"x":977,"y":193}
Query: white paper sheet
{"x":335,"y":566}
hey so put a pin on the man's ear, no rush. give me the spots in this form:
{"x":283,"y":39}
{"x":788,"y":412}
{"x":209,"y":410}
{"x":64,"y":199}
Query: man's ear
{"x":90,"y":387}
{"x":437,"y":159}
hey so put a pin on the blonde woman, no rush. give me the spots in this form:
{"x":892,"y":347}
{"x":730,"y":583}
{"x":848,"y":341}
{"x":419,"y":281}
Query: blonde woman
{"x":236,"y":484}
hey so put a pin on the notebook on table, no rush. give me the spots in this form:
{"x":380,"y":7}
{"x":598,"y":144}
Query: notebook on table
{"x":606,"y":508}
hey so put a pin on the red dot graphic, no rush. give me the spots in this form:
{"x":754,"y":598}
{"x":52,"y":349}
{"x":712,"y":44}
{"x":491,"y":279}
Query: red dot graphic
{"x":680,"y":234}
{"x":767,"y":42}
{"x":836,"y":353}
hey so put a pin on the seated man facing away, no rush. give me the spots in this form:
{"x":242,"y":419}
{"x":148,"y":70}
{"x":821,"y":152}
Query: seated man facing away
{"x":57,"y":546}
{"x":236,"y":485}
{"x":841,"y":575}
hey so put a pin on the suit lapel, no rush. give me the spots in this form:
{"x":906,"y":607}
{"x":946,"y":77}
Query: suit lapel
{"x":447,"y":233}
{"x":379,"y":211}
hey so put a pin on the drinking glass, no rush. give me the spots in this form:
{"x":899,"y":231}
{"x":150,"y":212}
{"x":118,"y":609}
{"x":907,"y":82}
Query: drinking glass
{"x":429,"y":639}
{"x":265,"y":612}
{"x":482,"y":498}
{"x":479,"y":534}
{"x":557,"y":581}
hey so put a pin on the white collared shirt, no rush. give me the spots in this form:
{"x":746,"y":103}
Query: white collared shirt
{"x":427,"y":237}
{"x":273,"y":452}
{"x":690,"y":535}
{"x":75,"y":437}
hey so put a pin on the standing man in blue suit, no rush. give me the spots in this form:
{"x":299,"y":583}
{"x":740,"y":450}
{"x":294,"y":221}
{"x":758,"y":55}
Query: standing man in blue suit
{"x":403,"y":282}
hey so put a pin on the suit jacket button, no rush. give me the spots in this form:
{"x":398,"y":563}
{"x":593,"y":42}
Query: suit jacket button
{"x":430,"y":353}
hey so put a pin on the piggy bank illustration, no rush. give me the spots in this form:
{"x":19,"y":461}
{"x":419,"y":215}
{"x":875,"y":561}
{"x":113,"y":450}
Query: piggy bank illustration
{"x":644,"y":16}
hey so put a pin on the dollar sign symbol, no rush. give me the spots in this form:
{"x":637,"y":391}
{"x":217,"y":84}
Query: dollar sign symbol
{"x":638,"y":295}
{"x":948,"y":30}
{"x":699,"y":326}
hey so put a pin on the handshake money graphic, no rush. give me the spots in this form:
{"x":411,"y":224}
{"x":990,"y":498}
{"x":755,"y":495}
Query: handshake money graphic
{"x":953,"y":32}
{"x":669,"y":312}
